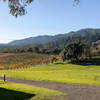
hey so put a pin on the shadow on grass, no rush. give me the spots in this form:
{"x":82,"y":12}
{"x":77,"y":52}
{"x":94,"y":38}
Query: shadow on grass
{"x":6,"y":94}
{"x":93,"y":61}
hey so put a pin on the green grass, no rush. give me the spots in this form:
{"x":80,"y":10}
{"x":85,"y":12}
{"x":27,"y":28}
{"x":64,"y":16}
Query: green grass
{"x":2,"y":82}
{"x":67,"y":73}
{"x":12,"y":91}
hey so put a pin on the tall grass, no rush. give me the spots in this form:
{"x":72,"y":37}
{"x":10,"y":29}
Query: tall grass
{"x":11,"y":61}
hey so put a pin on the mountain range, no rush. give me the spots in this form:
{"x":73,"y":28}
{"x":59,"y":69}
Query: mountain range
{"x":60,"y":40}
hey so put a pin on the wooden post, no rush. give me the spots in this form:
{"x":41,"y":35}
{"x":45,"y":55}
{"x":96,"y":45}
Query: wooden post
{"x":4,"y":77}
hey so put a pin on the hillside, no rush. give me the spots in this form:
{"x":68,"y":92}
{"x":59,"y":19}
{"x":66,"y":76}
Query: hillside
{"x":58,"y":41}
{"x":89,"y":35}
{"x":86,"y":35}
{"x":34,"y":40}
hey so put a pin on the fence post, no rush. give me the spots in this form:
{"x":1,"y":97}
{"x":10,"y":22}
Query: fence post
{"x":4,"y":77}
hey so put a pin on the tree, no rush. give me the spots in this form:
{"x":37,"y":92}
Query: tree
{"x":17,"y":7}
{"x":30,"y":50}
{"x":36,"y":49}
{"x":53,"y":59}
{"x":56,"y":51}
{"x":73,"y":51}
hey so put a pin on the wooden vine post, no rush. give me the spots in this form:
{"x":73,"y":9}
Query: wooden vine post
{"x":4,"y":77}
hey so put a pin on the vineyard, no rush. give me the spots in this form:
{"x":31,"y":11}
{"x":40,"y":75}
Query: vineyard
{"x":19,"y":60}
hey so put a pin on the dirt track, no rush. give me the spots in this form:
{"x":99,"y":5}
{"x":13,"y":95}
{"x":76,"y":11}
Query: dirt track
{"x":73,"y":91}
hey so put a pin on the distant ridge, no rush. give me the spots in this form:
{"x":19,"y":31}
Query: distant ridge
{"x":89,"y":35}
{"x":86,"y":35}
{"x":34,"y":40}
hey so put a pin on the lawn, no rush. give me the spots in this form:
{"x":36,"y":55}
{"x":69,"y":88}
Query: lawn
{"x":13,"y":91}
{"x":66,"y":73}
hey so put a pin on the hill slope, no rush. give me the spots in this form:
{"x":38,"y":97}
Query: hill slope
{"x":88,"y":35}
{"x":34,"y":40}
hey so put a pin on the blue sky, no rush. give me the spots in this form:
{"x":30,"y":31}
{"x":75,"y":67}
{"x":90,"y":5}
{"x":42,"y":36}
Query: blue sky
{"x":49,"y":17}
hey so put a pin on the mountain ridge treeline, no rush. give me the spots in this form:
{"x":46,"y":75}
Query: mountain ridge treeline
{"x":59,"y":41}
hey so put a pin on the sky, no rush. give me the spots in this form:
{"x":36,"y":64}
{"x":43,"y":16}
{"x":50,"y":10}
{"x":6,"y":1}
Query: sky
{"x":49,"y":17}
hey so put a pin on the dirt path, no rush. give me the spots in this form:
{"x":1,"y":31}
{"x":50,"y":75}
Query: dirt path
{"x":75,"y":92}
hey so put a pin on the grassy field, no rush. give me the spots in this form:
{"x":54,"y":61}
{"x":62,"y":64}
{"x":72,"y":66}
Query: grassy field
{"x":66,"y":73}
{"x":12,"y":91}
{"x":18,"y":60}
